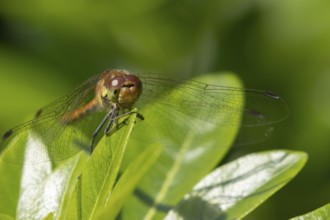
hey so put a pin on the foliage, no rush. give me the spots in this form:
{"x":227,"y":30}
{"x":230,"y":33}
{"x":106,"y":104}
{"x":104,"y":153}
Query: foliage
{"x":48,"y":47}
{"x":320,"y":213}
{"x":130,"y":161}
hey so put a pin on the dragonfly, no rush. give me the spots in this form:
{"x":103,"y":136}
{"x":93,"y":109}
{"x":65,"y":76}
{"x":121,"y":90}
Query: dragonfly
{"x":78,"y":118}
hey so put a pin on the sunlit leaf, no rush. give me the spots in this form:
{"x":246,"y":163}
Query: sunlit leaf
{"x":320,"y":213}
{"x":235,"y":189}
{"x":43,"y":189}
{"x":34,"y":191}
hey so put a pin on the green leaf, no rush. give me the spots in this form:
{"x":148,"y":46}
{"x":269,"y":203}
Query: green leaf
{"x":320,"y":213}
{"x":128,"y":181}
{"x":34,"y":190}
{"x":235,"y":189}
{"x":96,"y":183}
{"x":192,"y":147}
{"x":42,"y":189}
{"x":9,"y":187}
{"x":6,"y":217}
{"x":50,"y":216}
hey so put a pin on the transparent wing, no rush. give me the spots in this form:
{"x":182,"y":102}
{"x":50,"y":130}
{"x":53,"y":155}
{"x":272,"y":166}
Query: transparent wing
{"x":47,"y":136}
{"x":215,"y":103}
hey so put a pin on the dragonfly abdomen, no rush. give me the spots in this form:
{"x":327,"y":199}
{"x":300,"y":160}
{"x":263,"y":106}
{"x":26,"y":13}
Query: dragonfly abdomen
{"x":80,"y":112}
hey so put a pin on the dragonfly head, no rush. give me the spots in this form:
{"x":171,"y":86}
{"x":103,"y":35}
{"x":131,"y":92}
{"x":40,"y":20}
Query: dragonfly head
{"x":122,"y":89}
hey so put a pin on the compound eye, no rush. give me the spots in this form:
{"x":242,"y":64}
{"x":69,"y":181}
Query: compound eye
{"x":123,"y":90}
{"x":116,"y":83}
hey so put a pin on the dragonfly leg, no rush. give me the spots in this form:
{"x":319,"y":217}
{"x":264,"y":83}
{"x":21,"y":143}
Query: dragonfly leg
{"x":116,"y":128}
{"x":97,"y":130}
{"x":109,"y":130}
{"x":113,"y":119}
{"x":139,"y":116}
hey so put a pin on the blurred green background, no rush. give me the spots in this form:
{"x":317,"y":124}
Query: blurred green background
{"x":49,"y":47}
